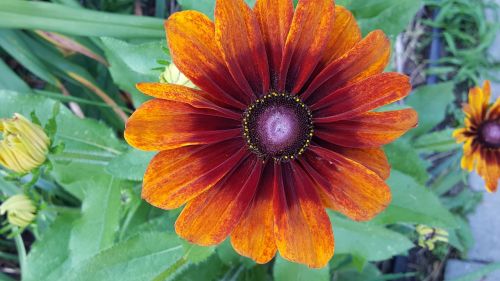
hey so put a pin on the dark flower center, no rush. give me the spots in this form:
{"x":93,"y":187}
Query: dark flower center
{"x":278,"y":126}
{"x":490,"y":134}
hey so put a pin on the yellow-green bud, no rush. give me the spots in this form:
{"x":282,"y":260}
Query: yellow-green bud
{"x":428,"y":236}
{"x":20,"y":210}
{"x":173,"y":75}
{"x":23,"y":145}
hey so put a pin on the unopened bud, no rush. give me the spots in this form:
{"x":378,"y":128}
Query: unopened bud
{"x":428,"y":236}
{"x":20,"y":210}
{"x":23,"y":144}
{"x":173,"y":75}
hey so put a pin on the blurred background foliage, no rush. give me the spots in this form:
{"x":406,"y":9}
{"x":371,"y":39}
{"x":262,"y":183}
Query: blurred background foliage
{"x":91,"y":222}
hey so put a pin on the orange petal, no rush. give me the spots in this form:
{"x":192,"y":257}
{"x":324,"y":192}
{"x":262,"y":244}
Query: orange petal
{"x":209,"y":218}
{"x":162,"y":124}
{"x":238,"y":35}
{"x":275,"y":18}
{"x":478,"y":104}
{"x":345,"y":35}
{"x":371,"y":129}
{"x":195,"y":52}
{"x":368,"y":57}
{"x":362,"y":97}
{"x":461,"y":135}
{"x":311,"y":27}
{"x":471,"y":151}
{"x":178,"y":93}
{"x":345,"y":185}
{"x":253,"y":237}
{"x":372,"y":158}
{"x":301,"y":226}
{"x":176,"y":176}
{"x":488,"y":168}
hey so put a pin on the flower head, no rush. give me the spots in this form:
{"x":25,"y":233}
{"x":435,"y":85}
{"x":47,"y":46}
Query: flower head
{"x":23,"y":145}
{"x":20,"y":210}
{"x":281,"y":127}
{"x":481,"y":136}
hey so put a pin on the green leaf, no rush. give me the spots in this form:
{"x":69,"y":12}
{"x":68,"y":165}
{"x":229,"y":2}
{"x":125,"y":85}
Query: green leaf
{"x":414,"y":203}
{"x":289,"y":271}
{"x":131,"y":165}
{"x":229,"y":256}
{"x":131,"y":64}
{"x":48,"y":257}
{"x":430,"y":102}
{"x":76,"y":21}
{"x":368,"y":273}
{"x":210,"y":270}
{"x":13,"y":44}
{"x":142,"y":257}
{"x":10,"y":81}
{"x":366,"y":240}
{"x":97,"y":227}
{"x":404,"y":158}
{"x":439,"y":141}
{"x":195,"y":253}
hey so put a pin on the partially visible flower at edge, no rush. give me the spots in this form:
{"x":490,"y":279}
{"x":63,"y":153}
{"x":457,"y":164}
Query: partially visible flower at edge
{"x":282,"y":126}
{"x":23,"y":144}
{"x":428,"y":236}
{"x":20,"y":210}
{"x":481,"y":136}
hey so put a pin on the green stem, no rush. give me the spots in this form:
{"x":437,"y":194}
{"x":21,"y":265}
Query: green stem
{"x":21,"y":251}
{"x":171,"y":269}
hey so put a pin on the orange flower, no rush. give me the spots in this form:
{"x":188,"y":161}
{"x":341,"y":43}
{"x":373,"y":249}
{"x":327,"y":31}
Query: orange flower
{"x":481,"y":136}
{"x":282,"y":127}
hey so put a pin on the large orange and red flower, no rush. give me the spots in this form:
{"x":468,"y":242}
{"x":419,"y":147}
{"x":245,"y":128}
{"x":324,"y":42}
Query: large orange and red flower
{"x":283,"y":126}
{"x":481,"y":136}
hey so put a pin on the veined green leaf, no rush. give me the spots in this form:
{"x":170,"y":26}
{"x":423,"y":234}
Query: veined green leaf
{"x":288,"y":271}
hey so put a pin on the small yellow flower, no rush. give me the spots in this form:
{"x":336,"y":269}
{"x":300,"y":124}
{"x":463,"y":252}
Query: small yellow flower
{"x":428,"y":236}
{"x":173,"y":75}
{"x":20,"y":210}
{"x":23,"y":145}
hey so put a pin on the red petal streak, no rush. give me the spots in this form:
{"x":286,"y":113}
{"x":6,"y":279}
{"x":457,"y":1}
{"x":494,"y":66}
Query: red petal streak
{"x":194,"y":51}
{"x":209,"y":218}
{"x":238,"y":34}
{"x":361,"y":97}
{"x":301,"y":226}
{"x":311,"y":26}
{"x":176,"y":176}
{"x":178,"y":93}
{"x":275,"y":18}
{"x":253,"y":237}
{"x":369,"y":57}
{"x":162,"y":124}
{"x":346,"y":186}
{"x":371,"y":129}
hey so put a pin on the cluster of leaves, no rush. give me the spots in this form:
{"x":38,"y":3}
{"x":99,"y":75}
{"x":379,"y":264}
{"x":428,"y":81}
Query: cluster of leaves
{"x":92,"y":223}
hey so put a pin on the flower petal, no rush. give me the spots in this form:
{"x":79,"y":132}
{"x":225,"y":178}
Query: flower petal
{"x":301,"y":226}
{"x":345,"y":185}
{"x":488,"y":167}
{"x":371,"y":129}
{"x":345,"y":35}
{"x":238,"y":35}
{"x":209,"y":218}
{"x":253,"y":237}
{"x":367,"y":95}
{"x":195,"y":52}
{"x":275,"y":18}
{"x":162,"y":124}
{"x":176,"y":176}
{"x":479,"y":99}
{"x":311,"y":27}
{"x":368,"y":57}
{"x":193,"y":97}
{"x":372,"y":158}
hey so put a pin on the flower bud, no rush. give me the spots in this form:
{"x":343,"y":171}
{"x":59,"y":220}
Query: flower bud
{"x":23,"y":145}
{"x":428,"y":236}
{"x":20,"y":210}
{"x":173,"y":75}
